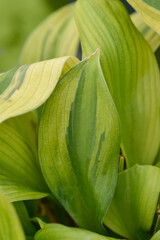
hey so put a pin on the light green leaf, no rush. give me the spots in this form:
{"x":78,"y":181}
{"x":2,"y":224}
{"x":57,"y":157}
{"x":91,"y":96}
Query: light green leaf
{"x":131,"y":73}
{"x":20,"y":173}
{"x":148,"y":33}
{"x":156,"y":236}
{"x":134,"y":204}
{"x":26,"y":125}
{"x":57,"y":36}
{"x":60,"y":232}
{"x":150,"y":11}
{"x":79,"y":144}
{"x":30,"y":85}
{"x":10,"y":227}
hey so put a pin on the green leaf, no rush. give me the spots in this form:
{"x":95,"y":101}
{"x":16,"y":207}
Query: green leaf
{"x":134,"y":204}
{"x":131,"y":72}
{"x":26,"y":125}
{"x":150,"y":11}
{"x":57,"y":4}
{"x":20,"y":173}
{"x":79,"y":144}
{"x":10,"y":227}
{"x":157,"y":161}
{"x":24,"y":218}
{"x":148,"y":33}
{"x":60,"y":232}
{"x":57,"y":36}
{"x":156,"y":236}
{"x":30,"y":85}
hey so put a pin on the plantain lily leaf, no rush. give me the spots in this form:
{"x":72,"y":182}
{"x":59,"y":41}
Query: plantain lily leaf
{"x":60,"y":232}
{"x":30,"y":85}
{"x":150,"y":11}
{"x":79,"y":144}
{"x":148,"y":33}
{"x":156,"y":236}
{"x":131,"y":73}
{"x":134,"y":204}
{"x":26,"y":125}
{"x":24,"y":218}
{"x":57,"y":36}
{"x":157,"y":162}
{"x":20,"y":173}
{"x":10,"y":227}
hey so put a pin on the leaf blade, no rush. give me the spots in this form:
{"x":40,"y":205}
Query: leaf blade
{"x":57,"y":36}
{"x":72,"y":145}
{"x":134,"y":204}
{"x":59,"y":232}
{"x":10,"y":227}
{"x":31,"y":85}
{"x":149,"y":10}
{"x":131,"y":73}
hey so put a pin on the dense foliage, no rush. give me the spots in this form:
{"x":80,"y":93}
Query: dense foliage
{"x":80,"y":139}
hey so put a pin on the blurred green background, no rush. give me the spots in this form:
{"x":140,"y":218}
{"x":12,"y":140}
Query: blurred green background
{"x":17,"y":20}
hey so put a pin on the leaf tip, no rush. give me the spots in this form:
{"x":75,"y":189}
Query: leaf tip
{"x":93,"y":54}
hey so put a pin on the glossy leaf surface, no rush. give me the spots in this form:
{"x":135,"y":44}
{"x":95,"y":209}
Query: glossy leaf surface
{"x":79,"y":142}
{"x":57,"y":36}
{"x":131,"y":73}
{"x":10,"y":227}
{"x":134,"y":204}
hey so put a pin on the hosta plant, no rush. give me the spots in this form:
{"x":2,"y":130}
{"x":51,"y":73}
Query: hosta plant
{"x":80,"y":139}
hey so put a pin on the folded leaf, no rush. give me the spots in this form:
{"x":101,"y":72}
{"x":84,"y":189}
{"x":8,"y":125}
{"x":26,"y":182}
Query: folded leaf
{"x":60,"y":232}
{"x":10,"y":227}
{"x":131,"y":73}
{"x":79,"y":144}
{"x":148,"y":33}
{"x":134,"y":204}
{"x":150,"y":11}
{"x":156,"y":236}
{"x":30,"y":85}
{"x":20,"y":173}
{"x":57,"y":36}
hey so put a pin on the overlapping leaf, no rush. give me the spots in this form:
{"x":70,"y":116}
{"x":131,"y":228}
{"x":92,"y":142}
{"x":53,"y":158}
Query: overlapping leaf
{"x":20,"y":173}
{"x":79,"y":144}
{"x":26,"y":126}
{"x":24,"y":218}
{"x":57,"y":36}
{"x":30,"y":85}
{"x":131,"y":73}
{"x":156,"y":236}
{"x":60,"y":232}
{"x":150,"y":11}
{"x":148,"y":33}
{"x":134,"y":204}
{"x":10,"y":227}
